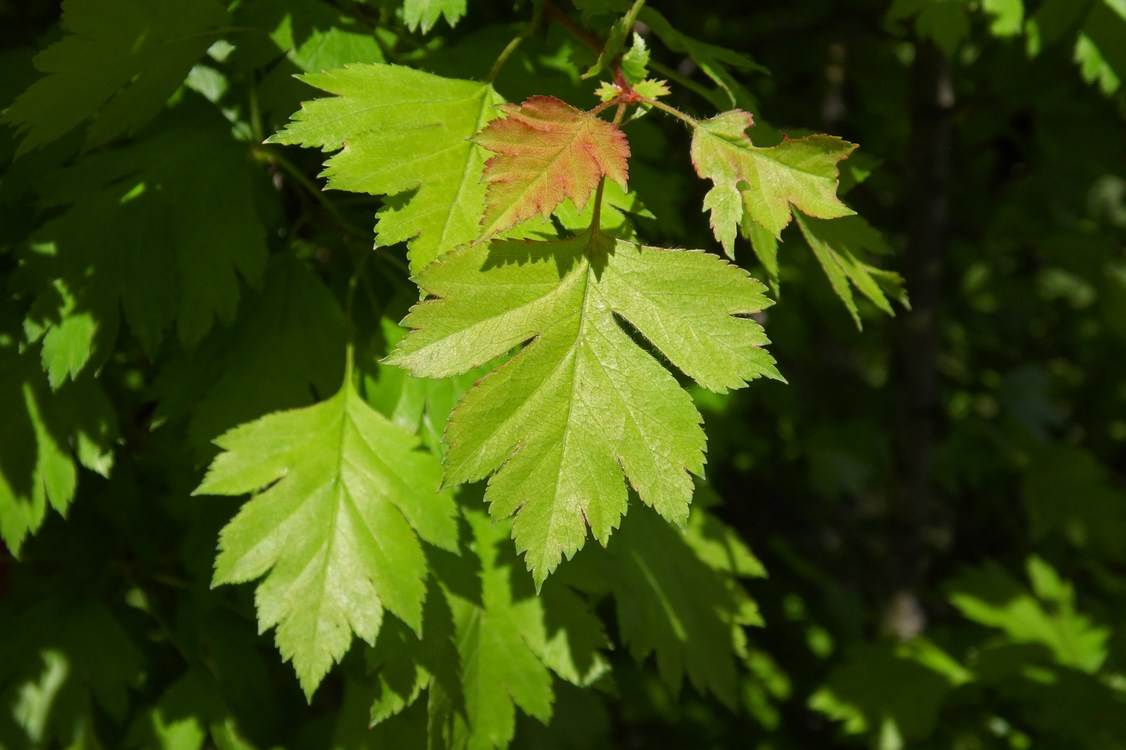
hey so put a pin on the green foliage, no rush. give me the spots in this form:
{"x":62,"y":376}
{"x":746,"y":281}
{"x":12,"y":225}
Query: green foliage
{"x":583,"y":403}
{"x":407,"y":134}
{"x":374,"y":394}
{"x":337,"y":532}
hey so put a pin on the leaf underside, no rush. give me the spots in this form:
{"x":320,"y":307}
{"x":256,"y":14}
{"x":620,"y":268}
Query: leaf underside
{"x":585,"y":404}
{"x":336,"y":534}
{"x":761,"y":184}
{"x":546,"y":152}
{"x":405,"y":134}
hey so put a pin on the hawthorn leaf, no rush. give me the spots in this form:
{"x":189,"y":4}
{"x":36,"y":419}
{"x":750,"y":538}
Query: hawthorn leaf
{"x":145,"y":233}
{"x":836,"y":243}
{"x":421,"y":15}
{"x":312,"y":34}
{"x":635,"y":61}
{"x":284,"y":348}
{"x":402,"y":133}
{"x":1047,"y":615}
{"x":582,"y":406}
{"x":715,"y":62}
{"x":508,"y":639}
{"x":615,"y":40}
{"x":761,"y":184}
{"x":546,"y":152}
{"x":765,"y":246}
{"x":404,"y":664}
{"x":63,"y":662}
{"x":37,"y":465}
{"x":336,"y":532}
{"x":677,"y":595}
{"x":116,"y":65}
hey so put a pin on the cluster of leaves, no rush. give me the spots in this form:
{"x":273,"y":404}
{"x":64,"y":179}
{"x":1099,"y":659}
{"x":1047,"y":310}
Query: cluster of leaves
{"x":179,"y":282}
{"x":399,"y":453}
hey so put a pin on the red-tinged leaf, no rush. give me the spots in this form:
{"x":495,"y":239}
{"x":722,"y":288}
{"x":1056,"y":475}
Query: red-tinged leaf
{"x":547,"y":151}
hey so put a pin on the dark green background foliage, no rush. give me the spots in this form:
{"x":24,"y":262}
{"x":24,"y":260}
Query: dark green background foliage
{"x":937,"y":499}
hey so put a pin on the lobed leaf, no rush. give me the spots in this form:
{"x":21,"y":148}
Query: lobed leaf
{"x":507,"y":640}
{"x":761,"y":184}
{"x":97,"y":259}
{"x":836,"y":244}
{"x":421,"y":15}
{"x":402,"y":133}
{"x":116,"y":65}
{"x":583,"y":405}
{"x":677,"y":596}
{"x":546,"y":152}
{"x":37,"y":465}
{"x":336,"y":534}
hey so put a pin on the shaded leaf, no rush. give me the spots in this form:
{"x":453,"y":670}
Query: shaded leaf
{"x":117,"y":64}
{"x":285,"y":348}
{"x":677,"y":596}
{"x":836,"y":244}
{"x":148,"y":234}
{"x":1046,"y":616}
{"x":421,"y":15}
{"x":37,"y":463}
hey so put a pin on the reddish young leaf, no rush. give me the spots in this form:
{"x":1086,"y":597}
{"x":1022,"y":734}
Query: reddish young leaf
{"x":547,"y":151}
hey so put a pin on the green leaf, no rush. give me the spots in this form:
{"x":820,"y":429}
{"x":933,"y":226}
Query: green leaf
{"x":1068,"y":494}
{"x":336,"y":534}
{"x":100,"y":259}
{"x":615,"y":40}
{"x":405,"y":664}
{"x":878,"y":684}
{"x":677,"y":596}
{"x":1053,"y":21}
{"x":760,"y":184}
{"x":635,"y":61}
{"x":403,"y":133}
{"x":313,"y":35}
{"x":1007,"y":16}
{"x":582,"y":404}
{"x":179,"y":719}
{"x":1100,"y":50}
{"x":1046,"y":616}
{"x":946,"y":22}
{"x":508,"y":638}
{"x":117,"y":65}
{"x":716,"y":62}
{"x":421,"y":15}
{"x":418,"y":405}
{"x":765,"y":246}
{"x":37,"y":466}
{"x":836,"y":244}
{"x":61,"y":664}
{"x":282,"y":350}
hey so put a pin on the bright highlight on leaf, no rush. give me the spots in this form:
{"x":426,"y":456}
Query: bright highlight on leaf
{"x":336,"y":534}
{"x":546,"y":152}
{"x":402,"y":133}
{"x":585,"y":404}
{"x":761,"y":184}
